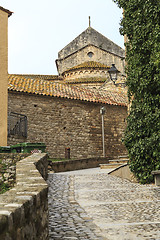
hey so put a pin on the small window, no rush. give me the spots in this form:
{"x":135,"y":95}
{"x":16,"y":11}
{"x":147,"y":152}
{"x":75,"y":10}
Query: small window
{"x":90,"y":54}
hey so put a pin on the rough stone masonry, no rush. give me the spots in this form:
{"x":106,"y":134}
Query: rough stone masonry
{"x":63,"y":123}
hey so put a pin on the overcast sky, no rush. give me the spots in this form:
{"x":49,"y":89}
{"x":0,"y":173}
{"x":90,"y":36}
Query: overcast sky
{"x":39,"y":29}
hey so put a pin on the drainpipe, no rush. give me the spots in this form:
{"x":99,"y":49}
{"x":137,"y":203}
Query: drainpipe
{"x":102,"y":112}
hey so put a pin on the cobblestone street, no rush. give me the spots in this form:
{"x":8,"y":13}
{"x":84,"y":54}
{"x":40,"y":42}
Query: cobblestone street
{"x":90,"y":204}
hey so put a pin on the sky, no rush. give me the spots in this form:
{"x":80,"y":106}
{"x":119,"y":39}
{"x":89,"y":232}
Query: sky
{"x":39,"y":29}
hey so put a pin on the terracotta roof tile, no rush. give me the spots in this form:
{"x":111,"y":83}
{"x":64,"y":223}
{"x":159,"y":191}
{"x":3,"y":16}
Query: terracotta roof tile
{"x":85,"y":80}
{"x":39,"y":76}
{"x":54,"y":89}
{"x":88,"y":65}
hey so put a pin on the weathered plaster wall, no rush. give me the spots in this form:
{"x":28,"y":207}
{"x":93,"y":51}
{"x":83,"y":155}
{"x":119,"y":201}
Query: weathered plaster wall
{"x":3,"y":76}
{"x":99,"y":55}
{"x":24,"y":208}
{"x":62,"y":123}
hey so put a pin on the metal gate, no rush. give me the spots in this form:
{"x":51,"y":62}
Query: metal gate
{"x":17,"y":124}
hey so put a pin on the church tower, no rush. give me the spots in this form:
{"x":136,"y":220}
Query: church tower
{"x":86,"y":60}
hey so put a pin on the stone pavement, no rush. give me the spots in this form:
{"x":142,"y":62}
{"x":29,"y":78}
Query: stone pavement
{"x":90,"y":204}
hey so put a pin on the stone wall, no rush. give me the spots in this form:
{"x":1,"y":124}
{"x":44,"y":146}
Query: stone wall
{"x":24,"y":208}
{"x":124,"y":172}
{"x":8,"y":167}
{"x":90,"y":37}
{"x":61,"y":123}
{"x":99,"y":55}
{"x":77,"y":164}
{"x":86,"y":73}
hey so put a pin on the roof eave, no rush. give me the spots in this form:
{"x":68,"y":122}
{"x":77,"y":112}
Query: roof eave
{"x":6,"y":10}
{"x":71,"y":98}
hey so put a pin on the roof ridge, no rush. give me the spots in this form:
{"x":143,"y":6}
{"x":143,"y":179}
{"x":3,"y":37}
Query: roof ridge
{"x":40,"y":76}
{"x":105,"y":37}
{"x":31,"y":74}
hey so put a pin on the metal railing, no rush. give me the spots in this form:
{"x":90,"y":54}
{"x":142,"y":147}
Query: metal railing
{"x":17,"y":124}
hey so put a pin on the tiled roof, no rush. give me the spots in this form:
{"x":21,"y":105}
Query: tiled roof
{"x":86,"y":80}
{"x":88,"y":65}
{"x":6,"y":10}
{"x":39,"y":76}
{"x":51,"y":88}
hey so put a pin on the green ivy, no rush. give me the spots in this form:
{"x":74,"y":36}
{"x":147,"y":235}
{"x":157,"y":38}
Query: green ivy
{"x":141,"y":25}
{"x":4,"y":187}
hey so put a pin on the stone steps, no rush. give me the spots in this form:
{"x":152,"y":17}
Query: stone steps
{"x":115,"y":162}
{"x":123,"y":156}
{"x":119,"y":161}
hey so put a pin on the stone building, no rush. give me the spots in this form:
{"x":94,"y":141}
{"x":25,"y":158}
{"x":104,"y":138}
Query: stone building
{"x":4,"y":14}
{"x":63,"y":110}
{"x":86,"y":61}
{"x":90,"y":45}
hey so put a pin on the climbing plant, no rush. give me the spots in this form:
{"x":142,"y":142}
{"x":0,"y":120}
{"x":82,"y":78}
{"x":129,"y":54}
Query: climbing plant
{"x":141,"y":25}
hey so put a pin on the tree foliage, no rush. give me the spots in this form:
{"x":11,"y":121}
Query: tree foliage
{"x":141,"y":25}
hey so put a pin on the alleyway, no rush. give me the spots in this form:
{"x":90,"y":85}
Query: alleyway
{"x":90,"y":204}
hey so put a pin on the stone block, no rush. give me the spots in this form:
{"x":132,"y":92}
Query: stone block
{"x":156,"y":177}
